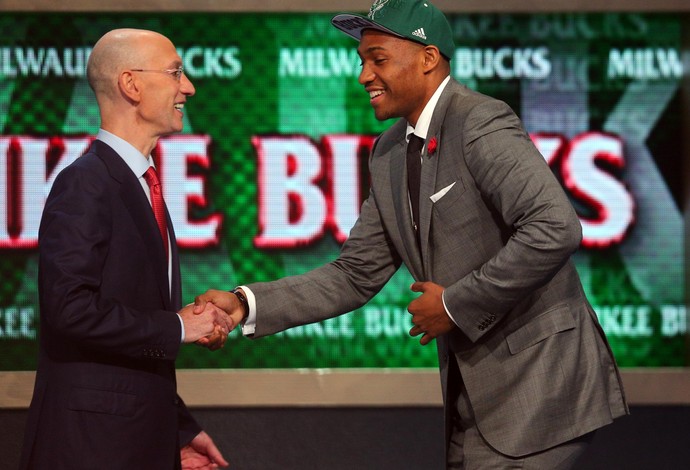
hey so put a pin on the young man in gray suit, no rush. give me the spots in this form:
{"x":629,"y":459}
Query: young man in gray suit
{"x":487,"y":232}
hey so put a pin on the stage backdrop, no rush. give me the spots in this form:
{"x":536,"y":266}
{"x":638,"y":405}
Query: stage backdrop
{"x":270,"y":171}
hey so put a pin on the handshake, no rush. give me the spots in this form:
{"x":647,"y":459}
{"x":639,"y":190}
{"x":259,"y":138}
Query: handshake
{"x":212,"y":316}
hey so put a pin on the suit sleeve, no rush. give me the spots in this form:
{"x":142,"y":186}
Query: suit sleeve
{"x":514,"y":178}
{"x":366,"y":262}
{"x":75,"y":246}
{"x":188,"y":427}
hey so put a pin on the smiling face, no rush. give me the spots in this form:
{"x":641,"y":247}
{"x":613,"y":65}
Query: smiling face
{"x":140,"y":95}
{"x":394,"y":75}
{"x":162,"y":95}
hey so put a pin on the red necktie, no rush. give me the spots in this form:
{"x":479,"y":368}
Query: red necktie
{"x":157,"y":204}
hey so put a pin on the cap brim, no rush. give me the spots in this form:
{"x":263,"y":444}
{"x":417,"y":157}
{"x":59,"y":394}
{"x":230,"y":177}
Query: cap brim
{"x":353,"y":25}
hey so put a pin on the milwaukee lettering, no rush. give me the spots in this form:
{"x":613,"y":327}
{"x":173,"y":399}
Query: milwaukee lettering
{"x":29,"y":165}
{"x":198,"y":62}
{"x":645,"y":64}
{"x":306,"y":189}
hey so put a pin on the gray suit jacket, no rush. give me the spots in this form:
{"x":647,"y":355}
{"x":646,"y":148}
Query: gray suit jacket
{"x":534,"y":360}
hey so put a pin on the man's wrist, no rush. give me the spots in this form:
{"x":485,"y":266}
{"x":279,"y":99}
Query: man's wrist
{"x":243,"y":301}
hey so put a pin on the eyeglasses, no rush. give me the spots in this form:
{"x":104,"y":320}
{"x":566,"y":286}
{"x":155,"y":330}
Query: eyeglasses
{"x":174,"y":73}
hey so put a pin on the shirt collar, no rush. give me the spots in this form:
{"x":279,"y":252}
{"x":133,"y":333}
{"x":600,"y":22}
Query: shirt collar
{"x":134,"y":159}
{"x":424,"y":120}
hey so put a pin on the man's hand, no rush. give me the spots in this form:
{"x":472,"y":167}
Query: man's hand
{"x":226,"y":301}
{"x":215,"y":340}
{"x":201,"y":454}
{"x":428,"y":314}
{"x":209,"y":320}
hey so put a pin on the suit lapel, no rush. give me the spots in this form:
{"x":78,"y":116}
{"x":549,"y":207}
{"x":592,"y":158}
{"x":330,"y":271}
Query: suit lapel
{"x":430,"y":167}
{"x":176,"y":284}
{"x":401,"y":202}
{"x":134,"y":199}
{"x":427,"y":185}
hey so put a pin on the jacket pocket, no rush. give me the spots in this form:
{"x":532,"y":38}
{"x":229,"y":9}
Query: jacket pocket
{"x":547,"y":324}
{"x":102,"y":401}
{"x":445,"y":198}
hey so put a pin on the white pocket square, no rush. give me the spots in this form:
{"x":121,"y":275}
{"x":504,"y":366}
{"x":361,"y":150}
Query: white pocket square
{"x":435,"y":197}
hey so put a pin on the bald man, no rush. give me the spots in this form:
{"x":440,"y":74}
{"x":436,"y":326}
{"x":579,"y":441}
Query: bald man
{"x":111,"y":322}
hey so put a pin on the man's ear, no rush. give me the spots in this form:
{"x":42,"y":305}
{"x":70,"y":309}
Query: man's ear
{"x":432,"y":58}
{"x":129,"y":86}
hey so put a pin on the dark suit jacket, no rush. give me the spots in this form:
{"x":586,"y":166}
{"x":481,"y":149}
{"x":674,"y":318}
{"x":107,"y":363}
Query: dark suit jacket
{"x":497,"y":232}
{"x":105,"y":394}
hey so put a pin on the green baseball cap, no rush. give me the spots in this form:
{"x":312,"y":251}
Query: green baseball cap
{"x":416,"y":20}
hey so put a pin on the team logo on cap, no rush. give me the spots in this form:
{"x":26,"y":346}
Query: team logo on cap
{"x":376,"y":7}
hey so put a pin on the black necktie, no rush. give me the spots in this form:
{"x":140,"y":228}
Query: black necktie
{"x":414,"y":174}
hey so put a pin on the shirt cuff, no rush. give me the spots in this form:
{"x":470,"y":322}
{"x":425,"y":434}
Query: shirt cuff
{"x":249,"y":324}
{"x":445,"y":307}
{"x":181,"y":328}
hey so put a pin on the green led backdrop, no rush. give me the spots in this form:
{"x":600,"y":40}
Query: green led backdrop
{"x":277,"y":97}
